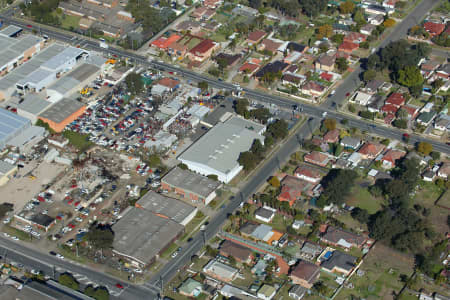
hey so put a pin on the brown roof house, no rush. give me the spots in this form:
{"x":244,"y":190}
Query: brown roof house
{"x":202,"y":50}
{"x":292,"y":188}
{"x":339,"y":237}
{"x":371,"y":150}
{"x":255,"y":37}
{"x":240,"y":253}
{"x":269,"y":45}
{"x":317,"y":158}
{"x":308,"y":173}
{"x":312,"y":88}
{"x":331,"y":136}
{"x":325,"y":62}
{"x":305,"y":274}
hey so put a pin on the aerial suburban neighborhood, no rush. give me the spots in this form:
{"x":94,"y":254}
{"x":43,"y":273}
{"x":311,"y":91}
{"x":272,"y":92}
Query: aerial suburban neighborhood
{"x":225,"y":149}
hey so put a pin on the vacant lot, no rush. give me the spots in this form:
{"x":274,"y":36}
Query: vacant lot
{"x":382,"y":269}
{"x":360,"y":197}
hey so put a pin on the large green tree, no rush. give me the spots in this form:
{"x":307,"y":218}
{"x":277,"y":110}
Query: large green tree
{"x":100,"y":236}
{"x":337,"y":186}
{"x":410,"y":76}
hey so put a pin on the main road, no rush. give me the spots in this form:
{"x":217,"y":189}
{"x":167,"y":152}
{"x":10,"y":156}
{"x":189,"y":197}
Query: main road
{"x":149,"y":290}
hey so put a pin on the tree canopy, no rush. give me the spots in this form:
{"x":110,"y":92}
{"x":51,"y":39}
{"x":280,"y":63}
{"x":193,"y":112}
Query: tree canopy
{"x":134,"y":83}
{"x":68,"y":280}
{"x":337,"y":185}
{"x":100,"y":236}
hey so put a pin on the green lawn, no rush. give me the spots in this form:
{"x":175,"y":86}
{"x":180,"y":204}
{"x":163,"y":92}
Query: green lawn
{"x":218,"y":37}
{"x":69,"y":22}
{"x":360,"y":197}
{"x":79,"y":141}
{"x":427,"y":194}
{"x":166,"y":253}
{"x":193,"y":226}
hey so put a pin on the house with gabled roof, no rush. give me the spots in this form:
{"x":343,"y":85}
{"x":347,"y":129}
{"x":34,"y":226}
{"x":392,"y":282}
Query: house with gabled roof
{"x":341,"y":238}
{"x":309,"y":174}
{"x":371,"y":150}
{"x":305,"y":274}
{"x":317,"y":158}
{"x":390,"y":158}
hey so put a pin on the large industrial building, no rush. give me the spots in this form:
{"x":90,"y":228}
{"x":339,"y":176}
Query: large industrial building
{"x":32,"y":106}
{"x":62,"y":113}
{"x":218,"y":150}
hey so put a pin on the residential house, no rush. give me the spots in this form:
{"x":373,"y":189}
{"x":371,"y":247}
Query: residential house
{"x":367,"y":29}
{"x":162,"y":43}
{"x":362,"y":98}
{"x":308,"y":174}
{"x":354,"y":159}
{"x":355,"y":37}
{"x":317,"y":158}
{"x":305,"y":274}
{"x":428,"y":67}
{"x":390,"y":158}
{"x":212,"y":3}
{"x":410,"y":110}
{"x":231,"y":59}
{"x":376,"y":104}
{"x":293,"y":79}
{"x":378,"y":10}
{"x":220,"y":271}
{"x":372,"y":86}
{"x":255,"y":37}
{"x":188,"y":25}
{"x":269,"y":45}
{"x":177,"y":49}
{"x":442,"y":122}
{"x":425,"y":118}
{"x":239,"y":253}
{"x":433,"y":28}
{"x":296,"y":47}
{"x":292,"y":188}
{"x":313,"y":89}
{"x":395,"y":99}
{"x":371,"y":150}
{"x":444,"y":170}
{"x":273,"y":67}
{"x":249,"y":68}
{"x":332,"y":136}
{"x":203,"y":13}
{"x":376,"y":19}
{"x":190,"y":288}
{"x":429,"y":175}
{"x":350,"y":142}
{"x":266,"y":292}
{"x":348,"y":47}
{"x":310,"y":250}
{"x":339,"y":262}
{"x":390,"y":3}
{"x":265,"y":214}
{"x":169,"y":83}
{"x":443,"y":72}
{"x":297,"y":292}
{"x":325,"y":62}
{"x":292,"y":57}
{"x":202,"y":51}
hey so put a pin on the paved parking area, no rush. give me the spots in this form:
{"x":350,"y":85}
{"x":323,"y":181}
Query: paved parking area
{"x":22,"y":188}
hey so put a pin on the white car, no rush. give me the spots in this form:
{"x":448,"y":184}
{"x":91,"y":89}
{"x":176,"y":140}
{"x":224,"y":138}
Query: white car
{"x":15,"y":238}
{"x":7,"y":220}
{"x":59,"y":256}
{"x":174,"y":254}
{"x":6,"y":234}
{"x":35,"y":272}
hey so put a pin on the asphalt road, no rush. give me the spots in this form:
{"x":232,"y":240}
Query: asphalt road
{"x":46,"y":262}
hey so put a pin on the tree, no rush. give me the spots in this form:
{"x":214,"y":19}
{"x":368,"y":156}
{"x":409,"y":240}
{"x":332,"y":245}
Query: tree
{"x":182,"y":166}
{"x":222,"y":63}
{"x":100,"y":236}
{"x":389,"y":23}
{"x":257,"y":148}
{"x":330,"y":124}
{"x":320,"y":288}
{"x":278,"y":129}
{"x":337,"y":39}
{"x":410,"y":76}
{"x":351,"y":108}
{"x":324,"y":31}
{"x":203,"y":85}
{"x":188,"y":2}
{"x":274,"y":181}
{"x":400,"y":123}
{"x":361,"y":215}
{"x":134,"y":83}
{"x":367,"y":114}
{"x":424,"y":148}
{"x":312,"y":8}
{"x":68,"y":280}
{"x":241,"y":107}
{"x":248,"y":160}
{"x":337,"y":185}
{"x":255,"y":3}
{"x":4,"y":208}
{"x":341,"y":64}
{"x":262,"y":114}
{"x":347,"y":7}
{"x":213,"y":177}
{"x":101,"y":293}
{"x":435,"y":155}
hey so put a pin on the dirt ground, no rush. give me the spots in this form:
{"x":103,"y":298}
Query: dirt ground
{"x":22,"y":188}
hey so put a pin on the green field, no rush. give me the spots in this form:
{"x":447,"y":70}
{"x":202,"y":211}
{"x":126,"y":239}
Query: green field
{"x":69,"y":22}
{"x":79,"y":141}
{"x":360,"y":197}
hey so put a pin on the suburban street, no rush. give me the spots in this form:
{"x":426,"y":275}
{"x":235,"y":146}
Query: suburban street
{"x":31,"y":257}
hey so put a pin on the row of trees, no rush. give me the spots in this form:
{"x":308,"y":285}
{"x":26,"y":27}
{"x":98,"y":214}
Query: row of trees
{"x":99,"y":293}
{"x":292,"y":8}
{"x":153,"y":20}
{"x":42,"y":11}
{"x":261,"y":114}
{"x":401,"y":59}
{"x":337,"y":186}
{"x":275,"y":131}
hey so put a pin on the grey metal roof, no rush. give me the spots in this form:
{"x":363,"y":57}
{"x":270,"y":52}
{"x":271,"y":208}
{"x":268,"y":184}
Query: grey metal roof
{"x":173,"y":209}
{"x":5,"y":167}
{"x":191,"y":182}
{"x":6,"y":42}
{"x":62,"y":109}
{"x":220,"y":147}
{"x":141,"y":235}
{"x":341,"y":260}
{"x":10,"y":30}
{"x":33,"y":104}
{"x":63,"y":57}
{"x":11,"y":123}
{"x":83,"y":72}
{"x":25,"y":42}
{"x":64,"y":85}
{"x":37,"y":76}
{"x":26,"y":136}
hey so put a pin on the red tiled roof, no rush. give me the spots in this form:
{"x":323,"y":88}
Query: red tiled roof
{"x":389,"y":108}
{"x":311,"y":85}
{"x":308,"y":172}
{"x":389,"y":118}
{"x":317,"y":157}
{"x":355,"y":37}
{"x":331,"y":136}
{"x":203,"y":47}
{"x":396,"y":99}
{"x":168,"y":82}
{"x":434,"y":28}
{"x":326,"y":76}
{"x":255,"y":36}
{"x":412,"y":111}
{"x":248,"y":66}
{"x":371,"y":149}
{"x":348,"y":46}
{"x":306,"y":271}
{"x":163,"y":43}
{"x":392,"y":155}
{"x":270,"y":45}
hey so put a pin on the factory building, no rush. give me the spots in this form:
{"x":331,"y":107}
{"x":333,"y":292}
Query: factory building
{"x":62,"y":113}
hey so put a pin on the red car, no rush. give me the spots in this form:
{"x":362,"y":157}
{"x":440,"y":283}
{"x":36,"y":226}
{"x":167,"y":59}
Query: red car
{"x":119,"y":286}
{"x":347,"y":94}
{"x":70,"y":201}
{"x":29,"y":26}
{"x":71,"y":225}
{"x":77,"y":203}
